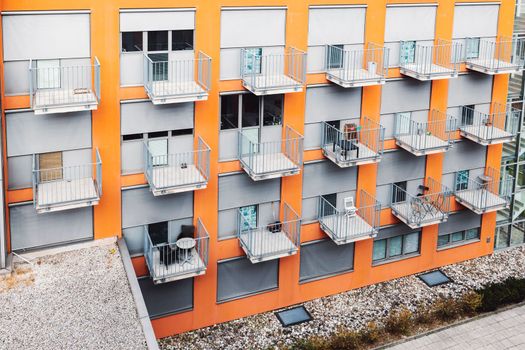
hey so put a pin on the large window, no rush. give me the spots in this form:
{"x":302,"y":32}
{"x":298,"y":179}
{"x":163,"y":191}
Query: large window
{"x":131,"y":41}
{"x":252,"y":61}
{"x":399,"y":192}
{"x":254,"y":111}
{"x":396,"y":247}
{"x":472,"y":49}
{"x":408,"y":52}
{"x":273,"y":110}
{"x":182,"y":40}
{"x":458,"y":237}
{"x":462,"y":180}
{"x":467,"y":115}
{"x":158,"y":40}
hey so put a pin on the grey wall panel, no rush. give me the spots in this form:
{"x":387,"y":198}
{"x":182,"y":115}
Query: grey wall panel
{"x":142,"y":117}
{"x":332,"y":103}
{"x":410,"y":23}
{"x":134,"y":237}
{"x":310,"y":209}
{"x":460,"y":221}
{"x":312,"y":135}
{"x":131,"y":68}
{"x":268,"y":213}
{"x":260,"y":27}
{"x":239,"y":277}
{"x":400,"y":166}
{"x":271,"y":133}
{"x":228,"y":144}
{"x":132,"y":157}
{"x":384,"y":192}
{"x":404,"y":96}
{"x":240,"y":190}
{"x":48,"y":133}
{"x":336,"y":25}
{"x":36,"y":36}
{"x":20,"y":172}
{"x":16,"y":77}
{"x":388,"y":120}
{"x":392,"y":231}
{"x":449,"y":180}
{"x":341,"y":198}
{"x":181,"y":143}
{"x":228,"y":223}
{"x":160,"y":20}
{"x":325,"y":177}
{"x":316,"y":59}
{"x":325,"y":258}
{"x":472,"y":88}
{"x":464,"y":155}
{"x":475,"y":20}
{"x":140,"y":207}
{"x":32,"y":230}
{"x":77,"y":157}
{"x":167,"y":298}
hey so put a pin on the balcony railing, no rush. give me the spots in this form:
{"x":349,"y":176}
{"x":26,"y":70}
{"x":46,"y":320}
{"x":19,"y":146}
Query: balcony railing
{"x":422,"y":138}
{"x":430,"y":62}
{"x":344,"y":227}
{"x":69,"y":187}
{"x":496,"y":55}
{"x":63,"y":89}
{"x":428,"y":207}
{"x":177,"y":80}
{"x":498,"y":127}
{"x":364,"y":145}
{"x":177,"y":172}
{"x":354,"y":68}
{"x":266,"y":74}
{"x":268,"y":160}
{"x":272,"y":241}
{"x":486,"y":193}
{"x":171,"y":261}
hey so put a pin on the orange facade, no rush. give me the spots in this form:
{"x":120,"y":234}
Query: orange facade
{"x":106,"y":136}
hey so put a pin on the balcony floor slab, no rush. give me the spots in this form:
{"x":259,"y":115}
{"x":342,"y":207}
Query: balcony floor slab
{"x":421,"y":72}
{"x":272,"y":84}
{"x":420,"y":145}
{"x":361,"y":155}
{"x":486,"y":135}
{"x":268,"y":166}
{"x":262,"y":245}
{"x":66,"y":194}
{"x":166,"y":179}
{"x":418,"y":216}
{"x":354,"y":78}
{"x":492,"y":66}
{"x":343,"y":230}
{"x":164,"y":92}
{"x":48,"y":101}
{"x":162,"y":273}
{"x":480,"y":200}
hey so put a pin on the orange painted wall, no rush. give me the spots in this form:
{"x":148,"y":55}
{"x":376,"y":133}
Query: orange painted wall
{"x":106,"y":136}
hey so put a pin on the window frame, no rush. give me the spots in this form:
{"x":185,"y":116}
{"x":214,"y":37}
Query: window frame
{"x":403,"y":255}
{"x":450,"y":243}
{"x":134,"y":51}
{"x":410,"y":52}
{"x":240,"y":112}
{"x":461,"y":179}
{"x":392,"y":199}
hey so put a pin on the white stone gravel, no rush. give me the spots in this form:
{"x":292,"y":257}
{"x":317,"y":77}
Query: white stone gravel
{"x":353,"y":309}
{"x":73,"y":300}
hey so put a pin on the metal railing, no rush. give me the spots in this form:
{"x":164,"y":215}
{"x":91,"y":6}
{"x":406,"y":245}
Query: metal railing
{"x":355,"y":67}
{"x":489,"y":192}
{"x":63,"y":86}
{"x":166,"y":172}
{"x":271,"y":241}
{"x":177,"y":77}
{"x":272,"y":158}
{"x":425,"y":137}
{"x":430,"y":61}
{"x":64,"y":186}
{"x":500,"y":125}
{"x":495,"y":55}
{"x":363,"y":145}
{"x":431,"y":205}
{"x":167,"y":262}
{"x":344,"y":228}
{"x":262,"y":73}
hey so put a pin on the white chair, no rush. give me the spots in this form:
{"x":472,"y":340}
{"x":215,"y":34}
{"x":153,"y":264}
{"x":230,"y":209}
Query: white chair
{"x":350,"y":209}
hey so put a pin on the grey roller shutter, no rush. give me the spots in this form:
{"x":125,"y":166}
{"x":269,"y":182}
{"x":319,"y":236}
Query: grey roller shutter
{"x":332,"y":103}
{"x":167,"y":298}
{"x":472,"y":88}
{"x":464,"y":155}
{"x":325,"y":177}
{"x":410,"y":23}
{"x":325,"y":258}
{"x":139,"y":21}
{"x":400,"y":166}
{"x":336,"y":25}
{"x":143,"y":117}
{"x":460,"y":221}
{"x":239,"y":190}
{"x":404,"y":96}
{"x":476,"y":20}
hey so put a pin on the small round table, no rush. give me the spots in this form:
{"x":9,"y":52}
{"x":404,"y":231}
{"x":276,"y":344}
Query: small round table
{"x":185,"y":245}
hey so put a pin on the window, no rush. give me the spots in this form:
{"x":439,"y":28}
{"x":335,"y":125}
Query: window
{"x":399,"y":192}
{"x":181,"y":132}
{"x":158,"y":40}
{"x":335,"y":56}
{"x":273,"y":110}
{"x":158,"y":232}
{"x":229,"y":112}
{"x":408,"y":52}
{"x":249,"y":217}
{"x":131,"y":41}
{"x":459,"y":237}
{"x":396,"y":247}
{"x":467,"y":115}
{"x":158,"y":149}
{"x":48,"y":74}
{"x":462,"y":180}
{"x":472,"y":49}
{"x":252,"y":61}
{"x":50,"y":166}
{"x":132,"y":137}
{"x":250,"y":110}
{"x":182,"y":40}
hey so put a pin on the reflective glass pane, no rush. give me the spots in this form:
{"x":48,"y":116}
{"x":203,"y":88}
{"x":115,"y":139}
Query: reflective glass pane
{"x":443,"y":240}
{"x":131,"y":41}
{"x":411,"y":244}
{"x":395,"y":245}
{"x":379,"y":251}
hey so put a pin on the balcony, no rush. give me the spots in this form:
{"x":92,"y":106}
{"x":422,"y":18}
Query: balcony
{"x":177,"y":172}
{"x":268,"y":74}
{"x":63,"y":89}
{"x":487,"y":129}
{"x":423,"y":138}
{"x":176,"y":80}
{"x":486,"y":193}
{"x":269,"y":160}
{"x":273,"y":241}
{"x":354,"y":146}
{"x":70,"y":187}
{"x":430,"y":62}
{"x":500,"y":55}
{"x":428,"y":207}
{"x":356,"y":68}
{"x":179,"y":258}
{"x":344,"y":226}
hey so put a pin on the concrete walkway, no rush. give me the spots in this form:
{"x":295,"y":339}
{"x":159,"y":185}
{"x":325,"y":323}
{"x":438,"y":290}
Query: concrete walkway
{"x":504,"y":330}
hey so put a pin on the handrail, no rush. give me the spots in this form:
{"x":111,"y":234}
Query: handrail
{"x":357,"y":64}
{"x":487,"y":126}
{"x":495,"y":54}
{"x":433,"y":59}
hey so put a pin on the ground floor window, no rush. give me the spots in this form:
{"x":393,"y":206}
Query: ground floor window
{"x":396,"y":247}
{"x":510,"y":235}
{"x":458,"y":237}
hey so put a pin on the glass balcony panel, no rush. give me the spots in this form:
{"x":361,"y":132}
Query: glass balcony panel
{"x":499,"y":55}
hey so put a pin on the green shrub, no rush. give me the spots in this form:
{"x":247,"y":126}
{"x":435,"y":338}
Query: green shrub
{"x":495,"y":295}
{"x":446,"y":309}
{"x":399,"y":322}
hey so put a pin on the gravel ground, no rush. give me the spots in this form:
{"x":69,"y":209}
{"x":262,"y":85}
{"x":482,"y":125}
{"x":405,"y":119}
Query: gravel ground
{"x":353,"y":309}
{"x":73,"y":300}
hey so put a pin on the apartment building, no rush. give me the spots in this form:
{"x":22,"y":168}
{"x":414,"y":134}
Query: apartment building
{"x":255,"y":155}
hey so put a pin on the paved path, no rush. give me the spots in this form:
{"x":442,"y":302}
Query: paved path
{"x":504,"y":330}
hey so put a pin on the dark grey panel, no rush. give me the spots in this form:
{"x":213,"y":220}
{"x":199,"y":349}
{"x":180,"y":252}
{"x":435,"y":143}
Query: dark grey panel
{"x":332,"y":103}
{"x":469,"y":89}
{"x":20,"y":171}
{"x":167,"y":298}
{"x":404,"y":96}
{"x":325,"y":258}
{"x":240,"y":190}
{"x":32,"y":230}
{"x":239,"y":277}
{"x":464,"y":155}
{"x":143,"y":117}
{"x":393,"y":231}
{"x":400,"y":166}
{"x":325,"y":177}
{"x":460,"y":221}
